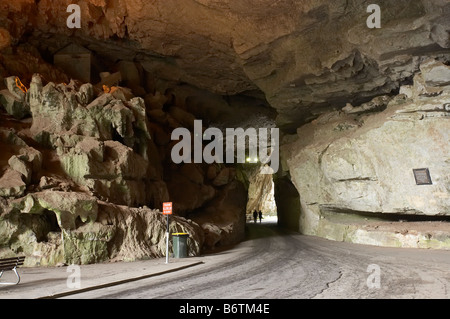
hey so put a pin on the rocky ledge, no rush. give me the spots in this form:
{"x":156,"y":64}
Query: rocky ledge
{"x":354,"y":168}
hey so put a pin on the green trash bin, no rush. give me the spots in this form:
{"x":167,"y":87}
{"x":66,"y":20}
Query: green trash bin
{"x":180,"y":245}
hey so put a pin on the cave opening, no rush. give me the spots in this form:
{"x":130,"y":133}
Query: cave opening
{"x":43,"y":226}
{"x":261,"y":196}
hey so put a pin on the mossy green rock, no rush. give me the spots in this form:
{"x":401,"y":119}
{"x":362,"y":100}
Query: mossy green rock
{"x":88,"y":244}
{"x":67,"y":206}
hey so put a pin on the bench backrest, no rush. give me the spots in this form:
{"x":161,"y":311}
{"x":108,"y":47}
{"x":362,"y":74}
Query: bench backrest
{"x":11,"y":263}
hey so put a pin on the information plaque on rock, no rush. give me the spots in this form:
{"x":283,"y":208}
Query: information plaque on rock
{"x":422,"y":176}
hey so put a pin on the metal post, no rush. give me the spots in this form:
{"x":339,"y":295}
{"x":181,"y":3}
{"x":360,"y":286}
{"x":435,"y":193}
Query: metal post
{"x":167,"y":241}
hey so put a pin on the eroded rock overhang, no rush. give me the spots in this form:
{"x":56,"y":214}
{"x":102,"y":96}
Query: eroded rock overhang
{"x":304,"y":56}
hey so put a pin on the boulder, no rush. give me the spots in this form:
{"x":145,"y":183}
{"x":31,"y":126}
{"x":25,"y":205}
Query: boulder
{"x":12,"y":184}
{"x":21,"y":164}
{"x":160,"y":136}
{"x":213,"y":235}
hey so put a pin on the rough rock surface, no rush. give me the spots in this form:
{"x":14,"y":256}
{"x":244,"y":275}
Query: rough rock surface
{"x":223,"y":218}
{"x":348,"y":166}
{"x":92,"y":152}
{"x":210,"y":59}
{"x":303,"y":55}
{"x":102,"y":142}
{"x":20,"y":164}
{"x":53,"y":228}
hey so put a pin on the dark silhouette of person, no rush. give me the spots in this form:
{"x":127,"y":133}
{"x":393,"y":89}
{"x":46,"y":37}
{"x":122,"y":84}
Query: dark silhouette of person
{"x":255,"y":216}
{"x":260,"y":216}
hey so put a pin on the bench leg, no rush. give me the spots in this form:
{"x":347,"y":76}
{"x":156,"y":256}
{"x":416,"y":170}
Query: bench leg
{"x":17,"y":274}
{"x":11,"y":283}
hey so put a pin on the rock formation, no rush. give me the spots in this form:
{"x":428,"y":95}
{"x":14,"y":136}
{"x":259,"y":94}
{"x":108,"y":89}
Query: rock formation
{"x":53,"y":227}
{"x":83,"y":162}
{"x":303,"y":55}
{"x":80,"y":193}
{"x":351,"y":168}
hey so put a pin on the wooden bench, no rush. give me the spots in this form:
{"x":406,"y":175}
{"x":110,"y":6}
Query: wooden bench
{"x":11,"y":264}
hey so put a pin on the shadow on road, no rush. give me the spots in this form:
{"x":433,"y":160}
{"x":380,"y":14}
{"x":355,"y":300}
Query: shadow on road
{"x":262,"y":230}
{"x":268,"y":228}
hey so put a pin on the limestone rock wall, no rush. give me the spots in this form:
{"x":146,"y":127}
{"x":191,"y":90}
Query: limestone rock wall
{"x":53,"y":228}
{"x":93,"y":152}
{"x":184,"y":59}
{"x":360,"y":161}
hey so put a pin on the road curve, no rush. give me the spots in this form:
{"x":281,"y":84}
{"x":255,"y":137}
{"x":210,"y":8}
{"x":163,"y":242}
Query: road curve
{"x":273,"y":263}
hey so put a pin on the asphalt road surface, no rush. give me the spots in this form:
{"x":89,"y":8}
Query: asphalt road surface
{"x":273,"y":263}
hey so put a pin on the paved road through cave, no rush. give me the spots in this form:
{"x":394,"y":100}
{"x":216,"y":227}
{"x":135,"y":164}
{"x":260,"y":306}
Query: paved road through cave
{"x":274,"y":263}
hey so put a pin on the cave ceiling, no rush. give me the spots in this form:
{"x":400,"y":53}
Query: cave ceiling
{"x":303,"y":56}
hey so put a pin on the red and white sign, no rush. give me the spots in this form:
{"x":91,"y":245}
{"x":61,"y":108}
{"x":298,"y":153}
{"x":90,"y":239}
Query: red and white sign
{"x":167,"y":208}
